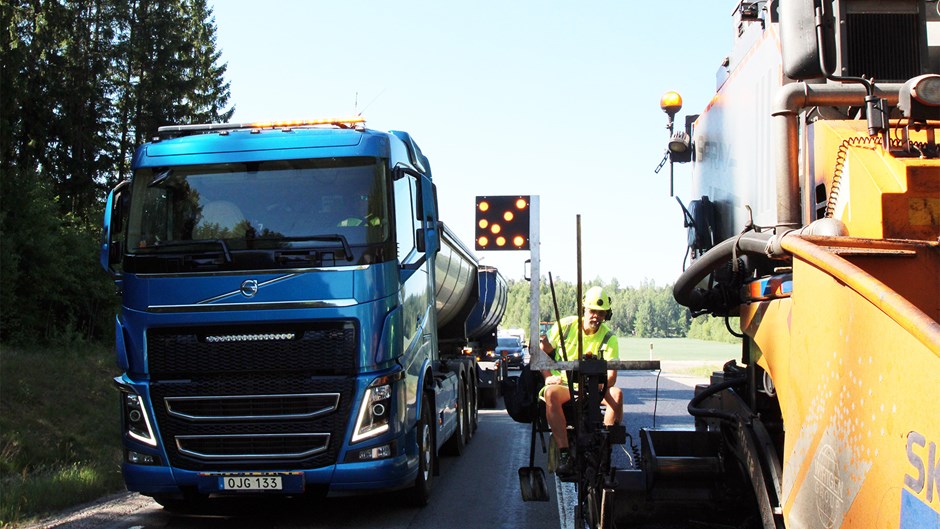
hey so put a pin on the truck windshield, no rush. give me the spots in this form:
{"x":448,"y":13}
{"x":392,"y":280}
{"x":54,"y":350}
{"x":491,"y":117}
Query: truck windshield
{"x":258,"y":205}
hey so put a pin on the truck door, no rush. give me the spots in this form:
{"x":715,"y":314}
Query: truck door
{"x":414,"y":290}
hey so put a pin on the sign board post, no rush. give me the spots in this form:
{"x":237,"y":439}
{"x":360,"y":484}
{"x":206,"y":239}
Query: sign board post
{"x":511,"y":223}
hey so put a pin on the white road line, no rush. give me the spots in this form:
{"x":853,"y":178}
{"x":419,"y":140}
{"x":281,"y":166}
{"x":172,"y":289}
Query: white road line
{"x":567,"y":496}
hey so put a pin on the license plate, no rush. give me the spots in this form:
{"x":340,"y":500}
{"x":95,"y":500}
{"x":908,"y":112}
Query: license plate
{"x":277,"y":482}
{"x":254,"y":483}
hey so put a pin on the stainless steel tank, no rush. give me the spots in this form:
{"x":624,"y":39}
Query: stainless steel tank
{"x":455,"y":278}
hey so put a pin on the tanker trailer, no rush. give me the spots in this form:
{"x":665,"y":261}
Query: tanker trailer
{"x":471,"y":300}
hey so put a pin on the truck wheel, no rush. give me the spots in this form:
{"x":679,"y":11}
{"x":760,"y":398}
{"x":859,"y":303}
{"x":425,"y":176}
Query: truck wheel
{"x":474,"y":408}
{"x":469,"y":427}
{"x":458,"y":441}
{"x":420,"y":493}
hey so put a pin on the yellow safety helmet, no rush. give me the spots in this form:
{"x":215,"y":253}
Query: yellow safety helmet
{"x":596,"y":299}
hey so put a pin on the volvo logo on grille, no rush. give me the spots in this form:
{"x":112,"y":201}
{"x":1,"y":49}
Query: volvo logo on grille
{"x":249,"y":288}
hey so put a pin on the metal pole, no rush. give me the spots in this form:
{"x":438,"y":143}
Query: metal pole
{"x":672,"y":191}
{"x":580,"y":294}
{"x":669,"y":154}
{"x":579,"y":407}
{"x":537,"y":358}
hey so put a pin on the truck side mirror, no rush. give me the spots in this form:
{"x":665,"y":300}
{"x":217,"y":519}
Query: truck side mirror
{"x":115,"y":216}
{"x":421,"y":242}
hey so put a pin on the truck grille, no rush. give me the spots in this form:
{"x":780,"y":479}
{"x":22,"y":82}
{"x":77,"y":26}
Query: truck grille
{"x":255,"y":397}
{"x":267,"y":446}
{"x":300,"y":427}
{"x":252,"y":407}
{"x":326,"y":348}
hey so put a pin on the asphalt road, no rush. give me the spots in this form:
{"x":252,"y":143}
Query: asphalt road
{"x":479,"y":489}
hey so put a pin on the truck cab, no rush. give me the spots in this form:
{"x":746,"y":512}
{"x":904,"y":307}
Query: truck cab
{"x":278,"y":329}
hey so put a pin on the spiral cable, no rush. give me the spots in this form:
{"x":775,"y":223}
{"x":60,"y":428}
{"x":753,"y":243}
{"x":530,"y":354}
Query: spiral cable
{"x":865,"y":142}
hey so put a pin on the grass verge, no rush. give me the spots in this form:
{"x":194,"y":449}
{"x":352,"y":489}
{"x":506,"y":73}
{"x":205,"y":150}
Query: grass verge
{"x":684,"y":349}
{"x":59,"y":429}
{"x":702,"y":371}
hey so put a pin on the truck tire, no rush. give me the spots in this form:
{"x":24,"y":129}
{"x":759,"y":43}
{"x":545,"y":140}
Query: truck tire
{"x":471,"y":410}
{"x":474,"y":406}
{"x":419,"y":494}
{"x":457,"y":442}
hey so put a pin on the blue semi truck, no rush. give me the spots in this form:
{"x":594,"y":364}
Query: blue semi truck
{"x":294,"y":315}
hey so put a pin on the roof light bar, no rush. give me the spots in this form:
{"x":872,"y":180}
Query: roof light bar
{"x":354,"y":122}
{"x":339,"y":122}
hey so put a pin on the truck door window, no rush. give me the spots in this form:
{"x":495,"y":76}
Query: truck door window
{"x":414,"y":290}
{"x":405,"y":223}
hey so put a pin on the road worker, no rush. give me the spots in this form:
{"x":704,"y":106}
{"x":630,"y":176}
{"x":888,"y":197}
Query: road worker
{"x":598,"y":341}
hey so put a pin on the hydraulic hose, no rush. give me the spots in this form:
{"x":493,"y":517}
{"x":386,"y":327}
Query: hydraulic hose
{"x":695,"y":411}
{"x":746,"y":243}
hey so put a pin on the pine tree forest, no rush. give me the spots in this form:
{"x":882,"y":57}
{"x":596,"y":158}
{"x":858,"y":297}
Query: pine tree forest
{"x":83,"y":82}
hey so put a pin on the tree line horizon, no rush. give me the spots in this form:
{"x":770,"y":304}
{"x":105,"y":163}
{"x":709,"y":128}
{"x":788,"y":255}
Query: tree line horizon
{"x":646,"y":311}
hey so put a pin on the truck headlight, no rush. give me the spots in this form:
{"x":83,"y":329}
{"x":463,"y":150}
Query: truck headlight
{"x":136,"y":420}
{"x":376,"y":408}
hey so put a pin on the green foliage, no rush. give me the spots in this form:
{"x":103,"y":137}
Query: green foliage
{"x":56,"y":450}
{"x":82,"y":84}
{"x":714,"y":329}
{"x":54,"y":290}
{"x":169,"y":71}
{"x":648,"y":311}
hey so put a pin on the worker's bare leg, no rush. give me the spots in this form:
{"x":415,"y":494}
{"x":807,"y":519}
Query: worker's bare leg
{"x":614,"y":400}
{"x":555,"y":397}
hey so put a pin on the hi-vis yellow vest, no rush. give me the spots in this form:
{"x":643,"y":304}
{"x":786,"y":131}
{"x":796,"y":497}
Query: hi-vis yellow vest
{"x":602,"y":344}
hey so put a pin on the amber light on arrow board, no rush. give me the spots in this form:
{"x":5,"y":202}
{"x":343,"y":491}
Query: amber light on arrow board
{"x":502,"y":222}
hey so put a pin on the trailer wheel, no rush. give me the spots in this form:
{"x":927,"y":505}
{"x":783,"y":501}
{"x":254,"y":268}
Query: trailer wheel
{"x":455,"y":445}
{"x":420,"y":493}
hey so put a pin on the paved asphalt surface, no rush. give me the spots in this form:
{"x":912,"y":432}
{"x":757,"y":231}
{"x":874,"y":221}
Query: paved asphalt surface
{"x":479,"y":489}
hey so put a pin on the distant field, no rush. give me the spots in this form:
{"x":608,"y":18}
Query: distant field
{"x":677,"y":349}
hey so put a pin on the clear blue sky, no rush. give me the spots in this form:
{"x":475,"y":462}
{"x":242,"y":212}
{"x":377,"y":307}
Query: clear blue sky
{"x":548,"y":98}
